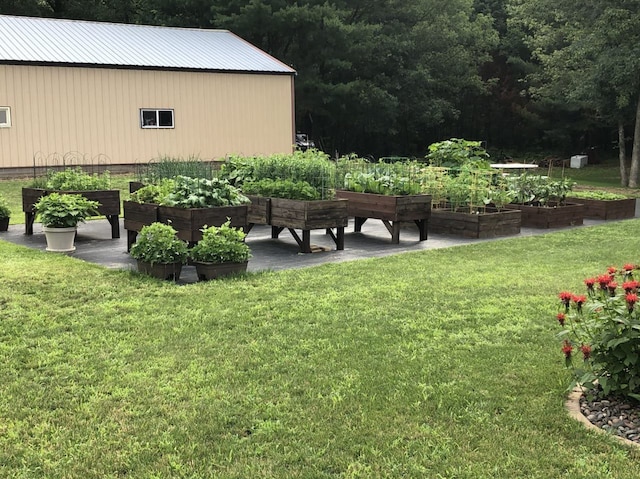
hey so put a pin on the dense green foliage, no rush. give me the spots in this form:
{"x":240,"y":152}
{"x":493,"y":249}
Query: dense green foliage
{"x":186,"y":192}
{"x":158,"y":243}
{"x":540,"y":190}
{"x":456,"y":153}
{"x":604,"y":325}
{"x":290,"y":189}
{"x":155,"y":192}
{"x":596,"y":195}
{"x":302,"y":175}
{"x":398,"y":178}
{"x":76,"y":179}
{"x":61,"y":210}
{"x":5,"y":210}
{"x":366,"y":369}
{"x":166,"y":167}
{"x":203,"y":193}
{"x":221,"y":244}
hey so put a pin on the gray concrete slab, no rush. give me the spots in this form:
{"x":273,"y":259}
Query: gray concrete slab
{"x":94,"y":244}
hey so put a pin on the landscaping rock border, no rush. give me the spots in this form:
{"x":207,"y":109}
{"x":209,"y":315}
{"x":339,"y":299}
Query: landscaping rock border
{"x":609,"y":415}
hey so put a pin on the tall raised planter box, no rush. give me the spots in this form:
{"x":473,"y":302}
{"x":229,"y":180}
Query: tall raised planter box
{"x":488,"y":224}
{"x":307,"y":216}
{"x":137,"y":215}
{"x":109,"y":205}
{"x":608,"y":209}
{"x":189,"y":221}
{"x":393,"y":210}
{"x":259,"y":210}
{"x":552,"y":216}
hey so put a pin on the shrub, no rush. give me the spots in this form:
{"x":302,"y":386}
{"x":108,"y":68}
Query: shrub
{"x":604,"y":325}
{"x":158,"y":243}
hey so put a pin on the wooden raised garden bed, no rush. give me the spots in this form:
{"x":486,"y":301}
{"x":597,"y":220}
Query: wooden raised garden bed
{"x":307,"y":216}
{"x":392,"y":210}
{"x":552,"y":216}
{"x":109,"y":205}
{"x":259,"y":210}
{"x":137,"y":215}
{"x":188,"y":222}
{"x":488,"y":224}
{"x":608,"y":209}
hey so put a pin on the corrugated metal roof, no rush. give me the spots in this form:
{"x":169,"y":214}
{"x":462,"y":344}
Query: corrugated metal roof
{"x":54,"y":41}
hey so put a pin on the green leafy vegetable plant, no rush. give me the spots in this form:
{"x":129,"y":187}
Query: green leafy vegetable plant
{"x":540,"y":190}
{"x":604,"y":325}
{"x":221,"y":244}
{"x":382,"y":178}
{"x":277,"y":188}
{"x":154,"y":193}
{"x":596,"y":195}
{"x":457,"y":152}
{"x":75,"y":179}
{"x":158,"y":243}
{"x":203,"y":193}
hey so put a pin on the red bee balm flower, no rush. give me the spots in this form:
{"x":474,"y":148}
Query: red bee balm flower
{"x":590,"y":282}
{"x":612,"y":288}
{"x":603,"y":280}
{"x":579,"y":300}
{"x":612,"y":270}
{"x":565,"y":297}
{"x":567,"y":349}
{"x":632,"y":299}
{"x":586,"y":351}
{"x":630,"y":286}
{"x":561,"y":318}
{"x":629,"y":267}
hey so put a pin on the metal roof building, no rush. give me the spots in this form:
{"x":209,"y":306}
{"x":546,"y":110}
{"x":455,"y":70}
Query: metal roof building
{"x":134,"y":92}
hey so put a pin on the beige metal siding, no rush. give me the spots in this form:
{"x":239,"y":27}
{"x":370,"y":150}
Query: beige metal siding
{"x":96,"y":111}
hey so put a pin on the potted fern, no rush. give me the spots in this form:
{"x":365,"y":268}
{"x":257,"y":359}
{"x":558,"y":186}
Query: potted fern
{"x":60,"y":215}
{"x":221,"y":252}
{"x":159,"y":252}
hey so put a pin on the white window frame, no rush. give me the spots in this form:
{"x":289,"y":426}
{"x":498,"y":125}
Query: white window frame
{"x":157,"y":125}
{"x":7,"y":110}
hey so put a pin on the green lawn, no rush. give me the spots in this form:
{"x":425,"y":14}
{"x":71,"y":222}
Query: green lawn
{"x":434,"y":364}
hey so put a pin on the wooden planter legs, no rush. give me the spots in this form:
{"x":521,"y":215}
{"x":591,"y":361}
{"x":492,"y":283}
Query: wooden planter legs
{"x":305,"y":242}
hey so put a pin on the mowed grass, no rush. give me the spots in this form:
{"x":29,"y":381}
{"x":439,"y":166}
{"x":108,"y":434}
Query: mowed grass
{"x":434,"y":364}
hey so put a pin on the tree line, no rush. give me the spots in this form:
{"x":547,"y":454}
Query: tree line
{"x":390,"y":77}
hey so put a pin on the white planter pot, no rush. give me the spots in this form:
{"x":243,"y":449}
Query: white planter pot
{"x":60,"y":240}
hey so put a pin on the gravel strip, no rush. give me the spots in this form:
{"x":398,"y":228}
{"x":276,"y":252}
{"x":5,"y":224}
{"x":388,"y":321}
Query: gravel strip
{"x":614,"y":415}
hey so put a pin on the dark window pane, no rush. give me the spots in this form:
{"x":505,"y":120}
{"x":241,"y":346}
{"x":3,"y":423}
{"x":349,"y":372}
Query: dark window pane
{"x":165,"y":117}
{"x":3,"y":116}
{"x":149,"y":118}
